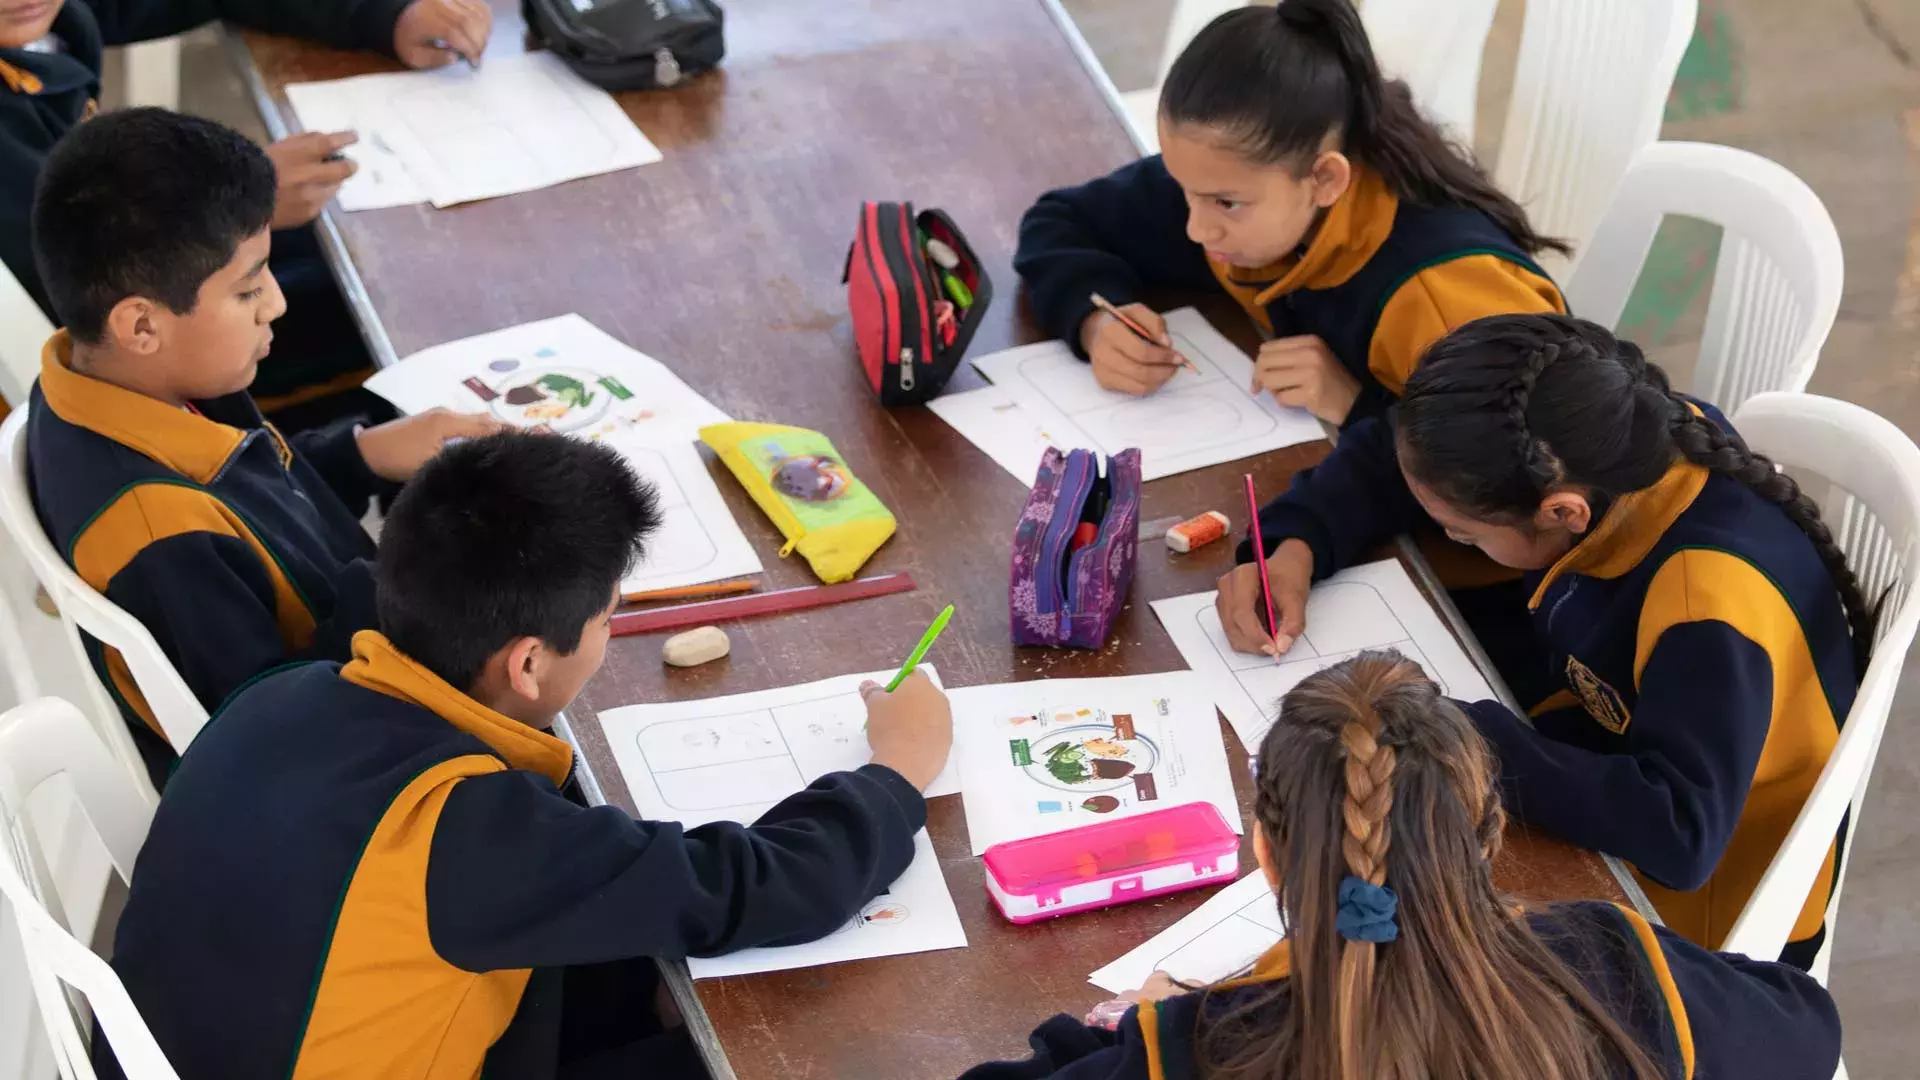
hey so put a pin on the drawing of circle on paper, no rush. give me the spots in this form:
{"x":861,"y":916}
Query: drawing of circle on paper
{"x":562,"y":399}
{"x":1089,"y":758}
{"x":884,"y":912}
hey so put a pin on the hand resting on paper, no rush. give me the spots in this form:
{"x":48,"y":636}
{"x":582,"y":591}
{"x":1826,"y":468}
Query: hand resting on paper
{"x":1242,"y":612}
{"x":309,"y":169}
{"x":1160,"y":986}
{"x":1121,"y":361}
{"x":435,"y":33}
{"x":911,"y":729}
{"x":1301,"y":372}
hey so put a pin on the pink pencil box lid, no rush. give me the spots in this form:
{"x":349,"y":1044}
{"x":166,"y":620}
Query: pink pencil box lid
{"x":1113,"y":862}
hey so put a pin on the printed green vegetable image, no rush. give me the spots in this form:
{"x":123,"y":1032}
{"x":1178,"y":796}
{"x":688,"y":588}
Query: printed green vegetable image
{"x":1068,"y":763}
{"x":567,"y":389}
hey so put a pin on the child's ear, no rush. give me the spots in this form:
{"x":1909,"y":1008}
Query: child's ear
{"x":1263,"y":854}
{"x":1331,"y":176}
{"x":134,"y":326}
{"x":525,"y":663}
{"x":1568,"y":511}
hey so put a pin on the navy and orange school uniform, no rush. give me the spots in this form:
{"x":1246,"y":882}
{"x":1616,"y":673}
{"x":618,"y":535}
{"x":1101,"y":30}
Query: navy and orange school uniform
{"x":408,"y":886}
{"x":229,"y":543}
{"x":1697,"y":667}
{"x":1693,"y":1012}
{"x":1379,"y":281}
{"x":47,"y":91}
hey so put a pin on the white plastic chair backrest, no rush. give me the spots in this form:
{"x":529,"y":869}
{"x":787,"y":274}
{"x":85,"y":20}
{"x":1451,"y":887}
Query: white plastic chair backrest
{"x":23,"y":331}
{"x":1874,"y":511}
{"x":1589,"y":91}
{"x":39,"y":741}
{"x":180,"y":714}
{"x":1436,"y":46}
{"x":1777,"y":282}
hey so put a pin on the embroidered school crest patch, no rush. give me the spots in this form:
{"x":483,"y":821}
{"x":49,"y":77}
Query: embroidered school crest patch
{"x":1602,"y":701}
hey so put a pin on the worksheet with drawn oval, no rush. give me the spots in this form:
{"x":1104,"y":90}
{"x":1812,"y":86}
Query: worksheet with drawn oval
{"x":1374,"y":606}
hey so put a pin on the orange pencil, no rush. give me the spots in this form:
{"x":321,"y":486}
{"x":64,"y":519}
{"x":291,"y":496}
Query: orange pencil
{"x":1139,"y":331}
{"x":691,"y":592}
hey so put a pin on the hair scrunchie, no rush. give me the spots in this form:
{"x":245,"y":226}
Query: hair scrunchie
{"x":1367,"y":912}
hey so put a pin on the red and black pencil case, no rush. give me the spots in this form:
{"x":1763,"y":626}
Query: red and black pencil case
{"x":917,"y":293}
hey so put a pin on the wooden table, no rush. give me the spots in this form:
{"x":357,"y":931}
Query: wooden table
{"x":724,"y":260}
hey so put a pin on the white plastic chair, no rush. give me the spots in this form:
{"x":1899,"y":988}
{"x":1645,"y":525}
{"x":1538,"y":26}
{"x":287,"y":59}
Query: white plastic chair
{"x":24,"y":329}
{"x":39,"y":741}
{"x":1777,"y":283}
{"x":1874,"y":511}
{"x":180,"y":714}
{"x":1436,"y":46}
{"x":1588,"y":92}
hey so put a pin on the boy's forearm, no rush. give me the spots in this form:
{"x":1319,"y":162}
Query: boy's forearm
{"x":347,"y":24}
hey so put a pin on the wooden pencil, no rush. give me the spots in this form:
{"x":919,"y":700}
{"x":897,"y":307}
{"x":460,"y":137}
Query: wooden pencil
{"x":691,"y":592}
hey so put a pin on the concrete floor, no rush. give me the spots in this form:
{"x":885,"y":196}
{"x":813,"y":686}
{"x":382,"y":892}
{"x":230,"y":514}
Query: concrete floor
{"x":1831,"y":89}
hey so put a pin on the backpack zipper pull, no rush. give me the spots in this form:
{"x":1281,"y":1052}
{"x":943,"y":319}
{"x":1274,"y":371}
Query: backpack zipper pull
{"x":906,"y":369}
{"x":666,"y":69}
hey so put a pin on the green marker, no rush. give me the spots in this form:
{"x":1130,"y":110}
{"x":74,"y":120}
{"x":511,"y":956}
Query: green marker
{"x":920,"y":650}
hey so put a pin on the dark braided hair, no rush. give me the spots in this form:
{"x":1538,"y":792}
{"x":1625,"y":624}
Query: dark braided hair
{"x":1277,"y":80}
{"x":1504,"y":408}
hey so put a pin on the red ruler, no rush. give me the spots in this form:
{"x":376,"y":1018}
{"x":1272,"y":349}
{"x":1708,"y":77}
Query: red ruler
{"x":770,"y":603}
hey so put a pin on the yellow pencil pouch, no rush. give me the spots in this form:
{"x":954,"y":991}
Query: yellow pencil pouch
{"x":801,"y":482}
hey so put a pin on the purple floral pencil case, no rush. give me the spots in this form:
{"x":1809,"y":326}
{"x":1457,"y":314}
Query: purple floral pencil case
{"x":1069,"y":582}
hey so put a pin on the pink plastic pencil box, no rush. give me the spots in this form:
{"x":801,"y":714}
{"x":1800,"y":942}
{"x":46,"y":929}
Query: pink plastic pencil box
{"x":1114,"y":862}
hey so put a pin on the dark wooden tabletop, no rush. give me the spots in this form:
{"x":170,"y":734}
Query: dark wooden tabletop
{"x":724,"y":261}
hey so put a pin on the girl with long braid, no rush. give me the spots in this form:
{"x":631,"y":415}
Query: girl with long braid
{"x":1378,"y":821}
{"x":1699,"y":634}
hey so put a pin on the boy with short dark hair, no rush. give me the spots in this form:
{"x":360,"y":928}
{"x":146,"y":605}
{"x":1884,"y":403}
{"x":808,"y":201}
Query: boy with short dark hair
{"x":50,"y":60}
{"x":152,"y":470}
{"x":371,"y":869}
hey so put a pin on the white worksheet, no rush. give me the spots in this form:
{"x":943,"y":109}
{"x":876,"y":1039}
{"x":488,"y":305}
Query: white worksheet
{"x":1193,"y":421}
{"x":991,"y":420}
{"x":1044,"y":756}
{"x":455,"y":135}
{"x":915,"y":914}
{"x":1374,"y":606}
{"x":1217,"y":940}
{"x":733,"y":758}
{"x":568,"y":376}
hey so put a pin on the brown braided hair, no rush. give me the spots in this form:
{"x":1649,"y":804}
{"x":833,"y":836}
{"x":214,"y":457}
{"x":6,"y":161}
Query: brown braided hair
{"x":1370,"y":772}
{"x":1506,"y":408}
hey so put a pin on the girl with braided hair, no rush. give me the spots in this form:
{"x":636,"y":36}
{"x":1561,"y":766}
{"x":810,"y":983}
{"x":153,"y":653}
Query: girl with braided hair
{"x":1698,"y":633}
{"x":1378,"y":822}
{"x":1306,"y":185}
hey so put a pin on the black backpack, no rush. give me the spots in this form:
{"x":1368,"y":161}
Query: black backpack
{"x":630,"y":44}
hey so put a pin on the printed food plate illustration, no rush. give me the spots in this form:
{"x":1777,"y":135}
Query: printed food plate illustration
{"x":564,"y":399}
{"x":1089,"y":758}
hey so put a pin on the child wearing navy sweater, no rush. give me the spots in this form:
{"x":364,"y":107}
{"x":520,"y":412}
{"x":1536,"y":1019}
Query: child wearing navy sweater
{"x":408,"y":890}
{"x":1378,"y":820}
{"x":1692,"y":637}
{"x":1309,"y":188}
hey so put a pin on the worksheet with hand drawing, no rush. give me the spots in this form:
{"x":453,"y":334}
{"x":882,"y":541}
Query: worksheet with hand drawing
{"x":1217,"y":940}
{"x":519,"y":123}
{"x":734,"y":758}
{"x":1374,"y":606}
{"x":568,"y":376}
{"x":1198,"y":418}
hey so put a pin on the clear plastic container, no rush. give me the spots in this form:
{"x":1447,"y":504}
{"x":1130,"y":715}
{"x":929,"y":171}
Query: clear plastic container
{"x":1114,"y":862}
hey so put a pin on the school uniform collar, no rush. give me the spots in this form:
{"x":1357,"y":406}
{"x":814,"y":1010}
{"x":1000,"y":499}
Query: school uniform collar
{"x":1275,"y":963}
{"x":1349,"y":236}
{"x":34,"y":73}
{"x":196,"y":445}
{"x":1630,"y":529}
{"x":380,"y":667}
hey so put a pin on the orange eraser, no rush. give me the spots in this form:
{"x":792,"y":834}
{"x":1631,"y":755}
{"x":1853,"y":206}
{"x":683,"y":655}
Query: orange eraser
{"x":1197,"y":532}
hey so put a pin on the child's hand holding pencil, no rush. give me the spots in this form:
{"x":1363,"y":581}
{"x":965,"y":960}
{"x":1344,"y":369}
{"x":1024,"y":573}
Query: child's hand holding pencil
{"x":1129,"y":348}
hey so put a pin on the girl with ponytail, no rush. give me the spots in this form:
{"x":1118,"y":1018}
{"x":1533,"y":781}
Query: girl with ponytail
{"x":1696,"y":636}
{"x":1308,"y":186}
{"x":1378,"y":819}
